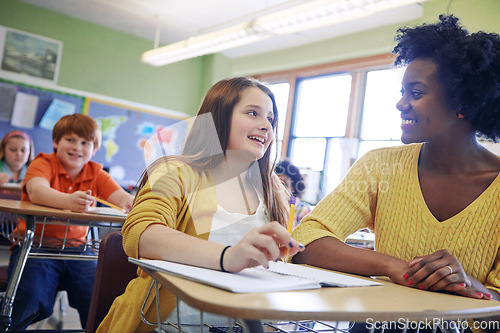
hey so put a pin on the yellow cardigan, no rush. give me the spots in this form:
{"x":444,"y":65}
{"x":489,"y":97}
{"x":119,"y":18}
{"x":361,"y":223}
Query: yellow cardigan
{"x":382,"y":192}
{"x":176,"y":196}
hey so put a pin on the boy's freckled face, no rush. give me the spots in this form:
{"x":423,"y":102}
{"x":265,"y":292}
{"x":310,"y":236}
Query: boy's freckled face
{"x":74,"y":152}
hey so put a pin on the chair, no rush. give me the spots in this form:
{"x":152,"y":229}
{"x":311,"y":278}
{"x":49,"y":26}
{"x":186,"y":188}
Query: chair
{"x":112,"y":276}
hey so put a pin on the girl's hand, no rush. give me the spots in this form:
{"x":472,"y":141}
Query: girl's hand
{"x":80,"y":201}
{"x":259,"y":246}
{"x":4,"y":178}
{"x":441,"y":270}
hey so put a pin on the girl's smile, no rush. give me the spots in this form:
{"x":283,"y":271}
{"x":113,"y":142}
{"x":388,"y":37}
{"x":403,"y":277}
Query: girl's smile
{"x":251,"y":123}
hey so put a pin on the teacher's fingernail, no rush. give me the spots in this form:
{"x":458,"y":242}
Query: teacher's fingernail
{"x":301,"y":246}
{"x":290,"y":245}
{"x":406,"y":276}
{"x":410,"y":282}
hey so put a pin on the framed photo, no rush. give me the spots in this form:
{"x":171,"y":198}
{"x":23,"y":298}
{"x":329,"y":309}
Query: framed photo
{"x":29,"y":58}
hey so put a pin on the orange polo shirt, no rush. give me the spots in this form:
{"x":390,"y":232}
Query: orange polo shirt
{"x":92,"y":177}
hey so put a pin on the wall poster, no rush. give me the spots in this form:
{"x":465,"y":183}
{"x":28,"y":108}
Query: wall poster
{"x":29,"y":58}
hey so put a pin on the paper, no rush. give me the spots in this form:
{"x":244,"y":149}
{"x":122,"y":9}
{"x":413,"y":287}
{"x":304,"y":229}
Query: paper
{"x":279,"y":277}
{"x":325,"y":278}
{"x":106,"y":211}
{"x":24,"y":110}
{"x":7,"y":97}
{"x":55,"y":111}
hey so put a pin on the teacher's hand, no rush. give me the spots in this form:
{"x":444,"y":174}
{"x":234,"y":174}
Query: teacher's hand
{"x":441,"y":270}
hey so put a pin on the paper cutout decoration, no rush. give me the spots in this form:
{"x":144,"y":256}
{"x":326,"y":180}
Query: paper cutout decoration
{"x":55,"y":111}
{"x":24,"y":111}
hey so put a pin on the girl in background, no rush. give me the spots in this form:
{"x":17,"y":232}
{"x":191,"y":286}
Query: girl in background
{"x":16,"y":152}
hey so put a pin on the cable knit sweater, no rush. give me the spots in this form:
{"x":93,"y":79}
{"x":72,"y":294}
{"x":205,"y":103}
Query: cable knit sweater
{"x":382,"y":192}
{"x":176,"y":196}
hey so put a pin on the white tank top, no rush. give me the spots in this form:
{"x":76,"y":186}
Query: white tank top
{"x":228,"y":229}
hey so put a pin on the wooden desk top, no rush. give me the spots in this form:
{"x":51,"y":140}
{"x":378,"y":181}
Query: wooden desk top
{"x":381,"y":303}
{"x":27,"y":208}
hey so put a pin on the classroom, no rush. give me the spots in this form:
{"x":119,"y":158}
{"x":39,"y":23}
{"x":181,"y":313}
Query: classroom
{"x":336,"y":95}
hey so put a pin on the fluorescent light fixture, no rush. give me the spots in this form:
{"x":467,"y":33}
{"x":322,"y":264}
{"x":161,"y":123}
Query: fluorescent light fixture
{"x":310,"y":15}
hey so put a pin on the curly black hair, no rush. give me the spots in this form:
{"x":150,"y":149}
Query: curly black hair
{"x":468,"y":68}
{"x":286,"y":168}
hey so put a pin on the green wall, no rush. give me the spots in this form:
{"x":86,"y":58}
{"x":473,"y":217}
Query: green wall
{"x":106,"y":62}
{"x":474,"y":14}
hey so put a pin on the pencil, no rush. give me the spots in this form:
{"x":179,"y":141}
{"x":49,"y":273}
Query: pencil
{"x":108,"y":204}
{"x":292,"y":213}
{"x":290,"y":221}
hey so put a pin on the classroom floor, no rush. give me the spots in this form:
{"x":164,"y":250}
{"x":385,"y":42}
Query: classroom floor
{"x":70,"y":318}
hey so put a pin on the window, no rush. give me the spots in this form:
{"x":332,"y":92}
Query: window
{"x":320,"y":120}
{"x":281,"y":92}
{"x":322,"y":106}
{"x":339,"y":112}
{"x":380,"y":120}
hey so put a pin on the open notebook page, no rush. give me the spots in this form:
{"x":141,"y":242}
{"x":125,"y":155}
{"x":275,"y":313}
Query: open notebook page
{"x":106,"y":211}
{"x":279,"y":277}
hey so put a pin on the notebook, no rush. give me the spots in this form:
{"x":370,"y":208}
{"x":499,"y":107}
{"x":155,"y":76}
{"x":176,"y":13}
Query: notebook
{"x":279,"y":276}
{"x":106,"y":211}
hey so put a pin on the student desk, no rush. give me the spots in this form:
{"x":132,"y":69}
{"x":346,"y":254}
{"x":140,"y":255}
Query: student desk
{"x":35,"y":214}
{"x":389,"y":302}
{"x":10,"y":191}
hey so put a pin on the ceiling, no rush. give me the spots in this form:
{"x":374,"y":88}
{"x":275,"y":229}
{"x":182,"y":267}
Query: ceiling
{"x":177,"y":20}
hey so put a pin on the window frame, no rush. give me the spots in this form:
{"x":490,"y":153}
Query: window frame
{"x":356,"y":67}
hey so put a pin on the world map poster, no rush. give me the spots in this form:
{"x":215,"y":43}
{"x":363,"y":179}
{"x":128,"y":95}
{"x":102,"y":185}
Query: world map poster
{"x":133,"y":139}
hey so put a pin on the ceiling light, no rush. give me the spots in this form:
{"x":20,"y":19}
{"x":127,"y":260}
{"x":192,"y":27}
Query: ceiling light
{"x":310,"y":15}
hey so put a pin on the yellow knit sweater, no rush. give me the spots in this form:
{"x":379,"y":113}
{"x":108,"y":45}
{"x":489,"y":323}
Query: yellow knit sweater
{"x":176,"y":196}
{"x":382,"y":192}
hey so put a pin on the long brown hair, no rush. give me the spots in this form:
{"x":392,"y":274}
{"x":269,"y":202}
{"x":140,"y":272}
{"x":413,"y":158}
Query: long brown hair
{"x":202,"y":150}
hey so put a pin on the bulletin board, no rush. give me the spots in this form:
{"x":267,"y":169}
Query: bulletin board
{"x":42,"y":138}
{"x":131,"y":137}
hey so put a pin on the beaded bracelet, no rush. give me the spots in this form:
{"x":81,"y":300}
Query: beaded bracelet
{"x":222,"y":258}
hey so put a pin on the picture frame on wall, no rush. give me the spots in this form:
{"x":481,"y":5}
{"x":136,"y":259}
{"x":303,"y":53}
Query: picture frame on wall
{"x":29,"y":58}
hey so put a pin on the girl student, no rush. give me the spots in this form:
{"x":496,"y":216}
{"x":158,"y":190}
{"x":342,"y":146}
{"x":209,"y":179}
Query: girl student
{"x":219,"y":205}
{"x":16,"y":152}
